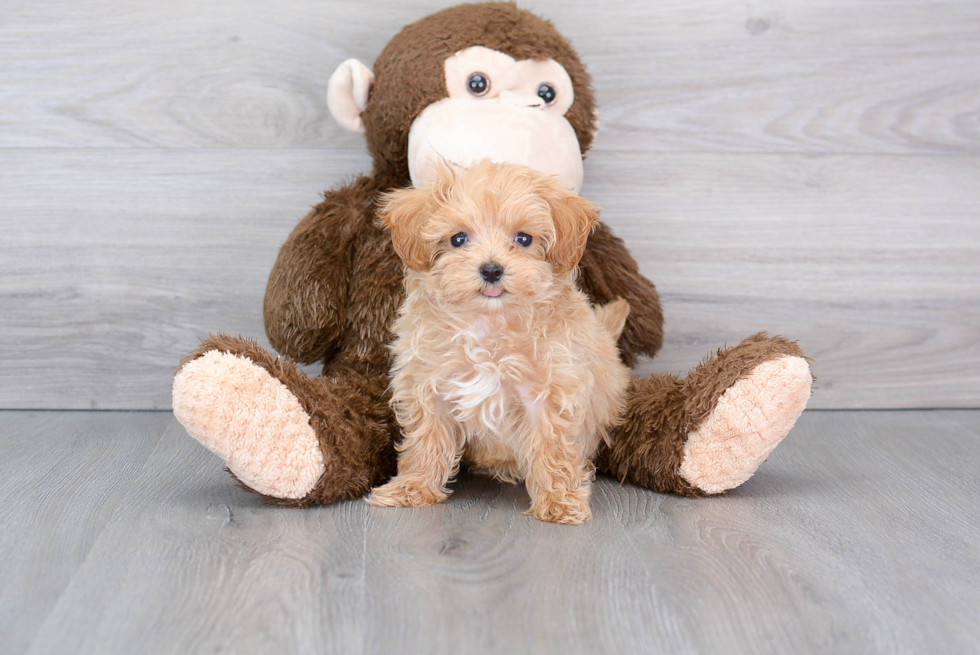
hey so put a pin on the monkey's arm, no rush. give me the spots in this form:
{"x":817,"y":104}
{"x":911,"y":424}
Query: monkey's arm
{"x":306,"y":298}
{"x":608,"y":271}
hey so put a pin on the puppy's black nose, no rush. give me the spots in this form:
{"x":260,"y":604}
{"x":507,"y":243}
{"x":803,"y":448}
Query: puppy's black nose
{"x":491,"y":272}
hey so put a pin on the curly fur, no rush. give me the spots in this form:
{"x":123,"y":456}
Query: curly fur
{"x":519,"y":376}
{"x":337,"y":283}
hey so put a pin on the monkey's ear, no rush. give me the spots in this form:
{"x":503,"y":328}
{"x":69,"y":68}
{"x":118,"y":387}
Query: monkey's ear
{"x":347,"y":93}
{"x":405,"y":212}
{"x":574,"y":218}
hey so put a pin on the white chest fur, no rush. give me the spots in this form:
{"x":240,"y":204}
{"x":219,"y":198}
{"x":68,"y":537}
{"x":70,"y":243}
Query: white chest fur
{"x":485,"y":379}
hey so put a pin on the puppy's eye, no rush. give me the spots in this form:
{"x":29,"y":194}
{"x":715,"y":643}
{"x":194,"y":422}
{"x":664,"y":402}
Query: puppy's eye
{"x":458,"y":239}
{"x":478,"y":84}
{"x":523,"y":239}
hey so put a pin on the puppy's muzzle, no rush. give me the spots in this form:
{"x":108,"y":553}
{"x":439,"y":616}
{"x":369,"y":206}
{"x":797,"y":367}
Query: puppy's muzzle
{"x":491,"y":272}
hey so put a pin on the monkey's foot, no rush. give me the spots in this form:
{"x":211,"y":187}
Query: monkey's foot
{"x":749,"y":420}
{"x":251,"y":420}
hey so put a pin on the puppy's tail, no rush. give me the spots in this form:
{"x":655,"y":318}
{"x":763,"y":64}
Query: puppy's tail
{"x":613,"y":316}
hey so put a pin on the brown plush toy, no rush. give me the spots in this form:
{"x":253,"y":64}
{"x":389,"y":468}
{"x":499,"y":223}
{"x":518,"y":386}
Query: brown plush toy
{"x":467,"y":83}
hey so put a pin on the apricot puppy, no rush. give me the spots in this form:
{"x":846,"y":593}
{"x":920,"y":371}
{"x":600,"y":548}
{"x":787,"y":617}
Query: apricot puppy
{"x":498,"y":357}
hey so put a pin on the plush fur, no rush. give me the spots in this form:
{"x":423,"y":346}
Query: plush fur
{"x":748,"y":421}
{"x":252,"y":407}
{"x":337,"y":283}
{"x":409,"y":74}
{"x":517,"y":375}
{"x":673,"y":408}
{"x":347,"y":407}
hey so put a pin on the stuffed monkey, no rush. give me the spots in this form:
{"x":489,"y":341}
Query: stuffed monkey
{"x":469,"y":82}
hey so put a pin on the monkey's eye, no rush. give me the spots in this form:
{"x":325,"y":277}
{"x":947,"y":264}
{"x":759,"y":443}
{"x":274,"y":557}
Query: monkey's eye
{"x":547,"y":93}
{"x":458,"y":239}
{"x":478,"y":84}
{"x":523,"y":239}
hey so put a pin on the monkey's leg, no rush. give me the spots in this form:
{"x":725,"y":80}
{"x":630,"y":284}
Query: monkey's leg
{"x":709,"y":432}
{"x":297,"y":439}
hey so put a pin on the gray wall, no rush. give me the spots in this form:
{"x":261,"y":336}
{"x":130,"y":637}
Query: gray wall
{"x":807,"y":168}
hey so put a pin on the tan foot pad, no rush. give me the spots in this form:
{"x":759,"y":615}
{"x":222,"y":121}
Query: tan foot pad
{"x":252,"y":421}
{"x":750,"y":419}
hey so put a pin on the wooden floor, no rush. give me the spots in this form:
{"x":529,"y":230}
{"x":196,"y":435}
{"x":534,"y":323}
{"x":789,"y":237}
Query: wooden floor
{"x":120,"y":534}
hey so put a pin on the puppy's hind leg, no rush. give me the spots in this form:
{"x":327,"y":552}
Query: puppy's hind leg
{"x":613,"y":316}
{"x":429,"y":457}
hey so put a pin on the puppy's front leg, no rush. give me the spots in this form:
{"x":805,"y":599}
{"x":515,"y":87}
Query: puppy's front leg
{"x":429,"y":456}
{"x":559,"y":480}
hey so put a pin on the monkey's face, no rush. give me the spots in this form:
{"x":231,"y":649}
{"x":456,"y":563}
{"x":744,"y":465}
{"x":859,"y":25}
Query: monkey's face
{"x":487,"y":80}
{"x":500,"y":109}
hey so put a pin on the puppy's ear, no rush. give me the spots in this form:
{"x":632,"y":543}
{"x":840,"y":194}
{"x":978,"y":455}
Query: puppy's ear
{"x":574,"y":218}
{"x":405,"y":212}
{"x":408,"y":212}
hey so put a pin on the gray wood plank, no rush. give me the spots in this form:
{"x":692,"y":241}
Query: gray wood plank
{"x":872,"y":262}
{"x":194,"y":564}
{"x":181,"y":176}
{"x":862,"y":522}
{"x":117,"y":261}
{"x":858,"y":535}
{"x":969,"y":420}
{"x":487,"y":578}
{"x":62,"y":476}
{"x":787,"y":75}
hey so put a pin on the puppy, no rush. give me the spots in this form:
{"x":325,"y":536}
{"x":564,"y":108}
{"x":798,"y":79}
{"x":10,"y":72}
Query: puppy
{"x":498,"y":357}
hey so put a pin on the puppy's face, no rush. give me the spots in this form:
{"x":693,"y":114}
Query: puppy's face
{"x":492,"y":236}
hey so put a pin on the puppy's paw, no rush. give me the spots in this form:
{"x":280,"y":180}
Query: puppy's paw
{"x":568,"y":508}
{"x":406,"y":492}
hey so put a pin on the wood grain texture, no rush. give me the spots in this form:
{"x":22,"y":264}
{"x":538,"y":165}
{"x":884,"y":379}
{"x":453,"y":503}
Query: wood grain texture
{"x":804,"y":168}
{"x":193,"y":564}
{"x":120,"y":260}
{"x":769,"y":75}
{"x":61,"y":480}
{"x":969,"y":420}
{"x":872,"y":262}
{"x":857,"y":535}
